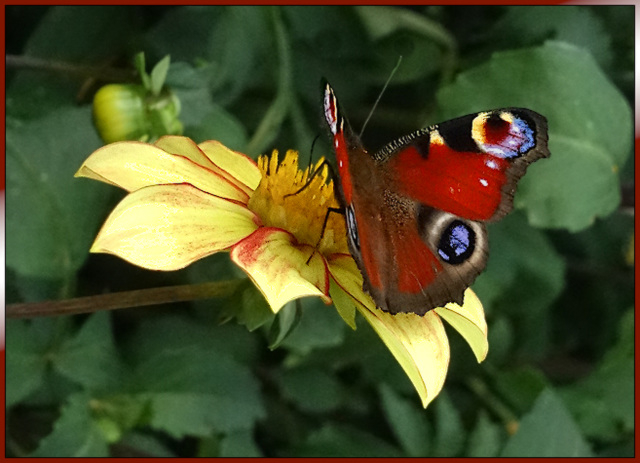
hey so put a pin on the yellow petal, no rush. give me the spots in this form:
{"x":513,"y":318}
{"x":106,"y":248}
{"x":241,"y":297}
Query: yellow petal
{"x":185,"y":146}
{"x":237,"y":164}
{"x":167,"y":227}
{"x":469,"y":321}
{"x":418,"y":343}
{"x":279,"y":268}
{"x":133,"y":165}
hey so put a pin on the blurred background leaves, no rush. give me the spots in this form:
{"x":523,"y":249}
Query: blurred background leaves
{"x":174,"y":380}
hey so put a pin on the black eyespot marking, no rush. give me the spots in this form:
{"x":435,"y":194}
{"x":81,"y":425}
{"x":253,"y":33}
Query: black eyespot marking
{"x":352,"y":227}
{"x":457,"y":243}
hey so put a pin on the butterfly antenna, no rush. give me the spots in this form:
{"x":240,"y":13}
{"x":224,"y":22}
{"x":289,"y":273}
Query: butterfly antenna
{"x":313,"y":144}
{"x":380,"y":95}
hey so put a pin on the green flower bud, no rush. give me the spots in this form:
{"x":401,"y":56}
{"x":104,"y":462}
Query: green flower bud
{"x":119,"y":113}
{"x":131,"y":112}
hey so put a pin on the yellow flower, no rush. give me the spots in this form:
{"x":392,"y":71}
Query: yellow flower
{"x":188,"y":201}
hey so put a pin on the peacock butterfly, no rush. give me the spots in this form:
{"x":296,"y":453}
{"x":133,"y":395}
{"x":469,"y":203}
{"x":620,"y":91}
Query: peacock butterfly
{"x":416,"y":209}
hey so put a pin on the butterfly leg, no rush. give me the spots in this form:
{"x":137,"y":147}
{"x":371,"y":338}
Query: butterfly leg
{"x":336,"y":210}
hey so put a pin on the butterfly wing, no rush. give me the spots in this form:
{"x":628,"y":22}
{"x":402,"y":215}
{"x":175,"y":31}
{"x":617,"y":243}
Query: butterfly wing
{"x":469,"y":166}
{"x":415,"y":210}
{"x":415,"y":258}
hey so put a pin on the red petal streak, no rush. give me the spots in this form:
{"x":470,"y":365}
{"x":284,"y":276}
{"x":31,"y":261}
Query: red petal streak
{"x":273,"y":258}
{"x":465,"y":184}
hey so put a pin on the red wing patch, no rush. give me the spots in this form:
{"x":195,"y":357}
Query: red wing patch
{"x":417,"y":266}
{"x":396,"y":258}
{"x":466,"y":184}
{"x":336,"y":122}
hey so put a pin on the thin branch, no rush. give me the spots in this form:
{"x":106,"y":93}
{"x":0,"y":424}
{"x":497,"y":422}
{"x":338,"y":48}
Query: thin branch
{"x":98,"y":72}
{"x":122,"y":300}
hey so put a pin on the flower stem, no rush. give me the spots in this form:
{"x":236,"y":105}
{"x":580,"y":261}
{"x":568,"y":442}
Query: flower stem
{"x":137,"y":298}
{"x":274,"y":117}
{"x":98,"y":72}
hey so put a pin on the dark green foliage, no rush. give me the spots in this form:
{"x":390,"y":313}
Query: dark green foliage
{"x":175,"y":381}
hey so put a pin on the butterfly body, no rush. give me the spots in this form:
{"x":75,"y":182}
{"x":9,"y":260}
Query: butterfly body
{"x":416,"y":209}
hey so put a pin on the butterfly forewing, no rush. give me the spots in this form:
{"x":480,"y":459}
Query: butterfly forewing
{"x":469,"y":166}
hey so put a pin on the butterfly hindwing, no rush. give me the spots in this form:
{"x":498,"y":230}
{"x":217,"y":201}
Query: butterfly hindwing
{"x":417,"y":259}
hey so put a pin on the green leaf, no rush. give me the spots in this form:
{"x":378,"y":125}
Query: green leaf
{"x":501,"y":339}
{"x":284,"y":324}
{"x":195,"y":391}
{"x":117,"y":414}
{"x":25,"y":362}
{"x":603,"y":403}
{"x":334,"y":440}
{"x":590,"y":128}
{"x":228,"y":340}
{"x":90,"y":358}
{"x":239,"y":36}
{"x":311,"y":389}
{"x":203,"y":119}
{"x":521,"y":386}
{"x":408,"y":422}
{"x":449,"y":432}
{"x":82,"y":33}
{"x":402,"y":32}
{"x":51,"y":216}
{"x":520,"y":253}
{"x":485,"y":439}
{"x":150,"y":446}
{"x":254,"y":310}
{"x":547,"y":431}
{"x":532,"y":25}
{"x":320,"y":326}
{"x":184,"y":32}
{"x":248,"y":306}
{"x":140,"y":64}
{"x":344,"y":304}
{"x":341,"y":59}
{"x":280,"y":107}
{"x":239,"y":444}
{"x":32,"y":346}
{"x":219,"y":125}
{"x":159,"y":75}
{"x":75,"y":433}
{"x":31,"y":96}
